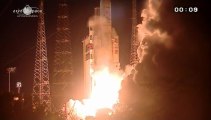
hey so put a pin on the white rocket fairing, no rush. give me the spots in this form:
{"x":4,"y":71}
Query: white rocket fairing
{"x":101,"y":47}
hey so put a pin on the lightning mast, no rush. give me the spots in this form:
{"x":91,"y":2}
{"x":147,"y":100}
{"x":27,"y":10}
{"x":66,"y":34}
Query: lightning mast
{"x":134,"y":42}
{"x":41,"y":86}
{"x":62,"y":72}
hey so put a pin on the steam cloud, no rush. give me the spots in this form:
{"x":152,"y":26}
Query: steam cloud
{"x":148,"y":32}
{"x":168,"y":84}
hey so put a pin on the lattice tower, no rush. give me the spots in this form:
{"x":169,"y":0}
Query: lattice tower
{"x":63,"y":70}
{"x":134,"y":41}
{"x":41,"y":86}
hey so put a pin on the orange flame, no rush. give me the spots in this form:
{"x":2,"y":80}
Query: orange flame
{"x":104,"y":94}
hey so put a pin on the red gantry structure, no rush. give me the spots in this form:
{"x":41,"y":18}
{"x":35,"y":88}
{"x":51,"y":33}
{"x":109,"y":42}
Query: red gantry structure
{"x":41,"y":86}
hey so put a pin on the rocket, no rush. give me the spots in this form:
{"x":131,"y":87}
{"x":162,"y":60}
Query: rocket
{"x":101,"y":46}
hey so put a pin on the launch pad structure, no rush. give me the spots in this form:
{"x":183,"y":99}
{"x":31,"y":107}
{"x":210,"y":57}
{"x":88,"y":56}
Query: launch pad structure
{"x":62,"y":65}
{"x":41,"y":86}
{"x":134,"y":41}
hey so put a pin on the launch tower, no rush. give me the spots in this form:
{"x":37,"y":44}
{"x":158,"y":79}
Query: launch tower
{"x":41,"y":86}
{"x":63,"y":70}
{"x":134,"y":41}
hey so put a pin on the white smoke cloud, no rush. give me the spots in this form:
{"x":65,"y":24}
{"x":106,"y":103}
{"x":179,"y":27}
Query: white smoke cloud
{"x":128,"y":70}
{"x":148,"y":32}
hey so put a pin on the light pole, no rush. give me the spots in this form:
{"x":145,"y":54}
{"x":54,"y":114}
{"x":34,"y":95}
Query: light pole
{"x":10,"y":70}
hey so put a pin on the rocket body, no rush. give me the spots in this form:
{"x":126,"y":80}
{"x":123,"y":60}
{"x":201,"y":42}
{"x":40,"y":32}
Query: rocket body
{"x":101,"y":47}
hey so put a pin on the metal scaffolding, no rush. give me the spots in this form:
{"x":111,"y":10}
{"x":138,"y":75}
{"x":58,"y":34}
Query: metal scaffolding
{"x":134,"y":42}
{"x":41,"y":86}
{"x":63,"y":70}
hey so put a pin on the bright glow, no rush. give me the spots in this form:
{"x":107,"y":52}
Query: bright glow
{"x":16,"y":98}
{"x":104,"y":94}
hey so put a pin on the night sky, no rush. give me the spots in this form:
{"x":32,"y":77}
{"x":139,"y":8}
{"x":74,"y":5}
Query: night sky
{"x":18,"y":38}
